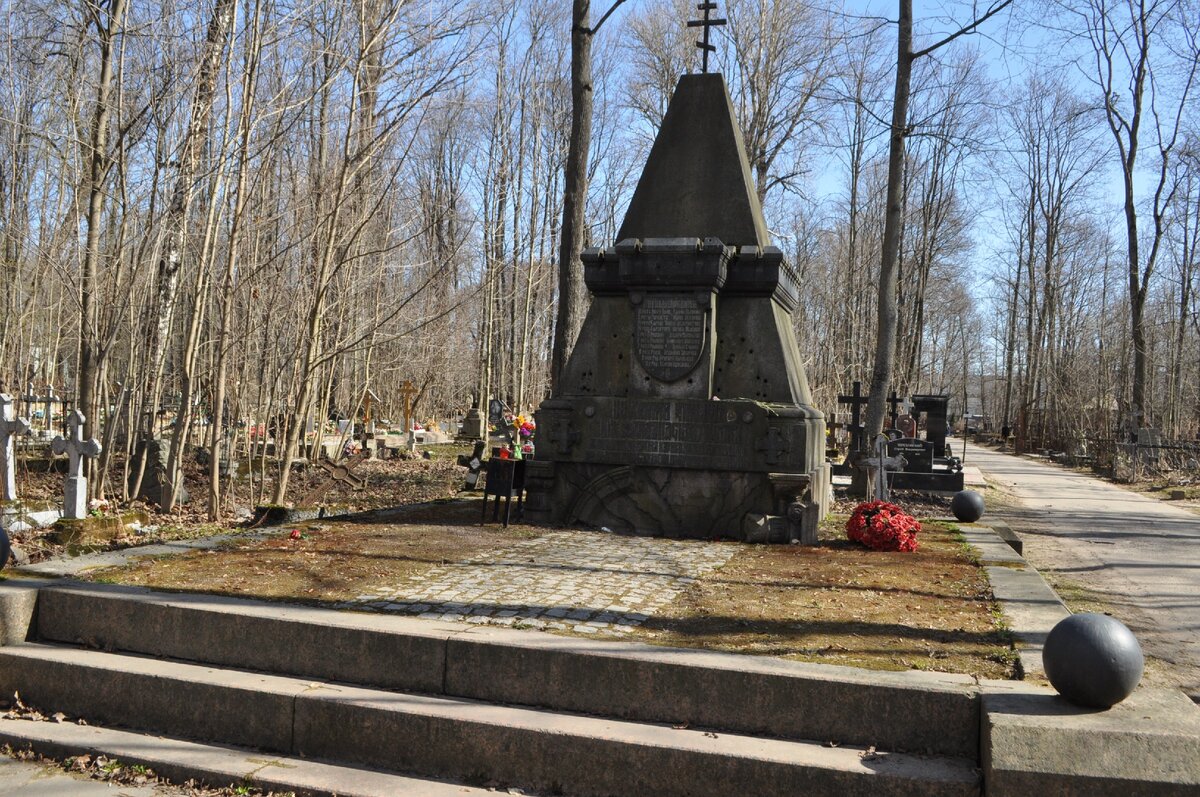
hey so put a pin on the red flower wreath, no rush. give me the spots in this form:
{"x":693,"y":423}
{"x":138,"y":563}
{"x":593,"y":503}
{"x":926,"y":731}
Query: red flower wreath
{"x":883,"y":527}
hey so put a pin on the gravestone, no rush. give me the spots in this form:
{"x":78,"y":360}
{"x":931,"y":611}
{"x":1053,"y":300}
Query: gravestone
{"x":684,"y":409}
{"x":156,"y":482}
{"x":30,"y":398}
{"x":930,"y":465}
{"x":895,"y":402}
{"x":10,"y":427}
{"x":917,"y":453}
{"x":473,"y":426}
{"x":75,"y":488}
{"x":935,"y":407}
{"x":857,"y":401}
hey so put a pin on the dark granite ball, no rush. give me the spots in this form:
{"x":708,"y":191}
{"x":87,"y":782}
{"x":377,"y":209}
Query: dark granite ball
{"x":5,"y":548}
{"x":967,"y":506}
{"x":1092,"y":660}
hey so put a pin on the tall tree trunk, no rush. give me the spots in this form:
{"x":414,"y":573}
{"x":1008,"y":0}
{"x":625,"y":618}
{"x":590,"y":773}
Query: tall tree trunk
{"x":220,"y":387}
{"x":89,"y":365}
{"x":885,"y":335}
{"x":571,"y":292}
{"x":194,"y":143}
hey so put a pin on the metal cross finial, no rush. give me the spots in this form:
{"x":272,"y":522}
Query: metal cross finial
{"x":705,"y":23}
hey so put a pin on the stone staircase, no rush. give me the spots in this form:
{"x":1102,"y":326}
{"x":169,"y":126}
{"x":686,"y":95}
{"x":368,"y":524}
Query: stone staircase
{"x":323,"y":702}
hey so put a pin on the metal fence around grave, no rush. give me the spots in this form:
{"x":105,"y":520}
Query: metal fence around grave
{"x":1131,"y":462}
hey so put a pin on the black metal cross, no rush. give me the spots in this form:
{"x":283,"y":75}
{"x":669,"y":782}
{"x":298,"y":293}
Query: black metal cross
{"x":895,"y":401}
{"x":705,"y":23}
{"x":856,"y":400}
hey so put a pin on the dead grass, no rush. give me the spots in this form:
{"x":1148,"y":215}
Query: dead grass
{"x":327,"y":562}
{"x":839,"y":603}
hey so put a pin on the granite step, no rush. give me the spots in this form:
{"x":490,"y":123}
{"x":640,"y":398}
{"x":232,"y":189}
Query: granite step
{"x":916,"y":712}
{"x":180,"y":760}
{"x":453,"y":738}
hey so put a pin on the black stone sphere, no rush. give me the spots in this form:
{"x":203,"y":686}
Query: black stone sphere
{"x":967,"y":506}
{"x":5,"y":548}
{"x":1093,"y":660}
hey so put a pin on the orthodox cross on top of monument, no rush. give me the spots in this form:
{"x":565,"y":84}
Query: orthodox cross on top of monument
{"x":705,"y":23}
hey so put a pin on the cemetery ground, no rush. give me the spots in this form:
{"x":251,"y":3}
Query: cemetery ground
{"x":388,"y":483}
{"x":834,"y":603}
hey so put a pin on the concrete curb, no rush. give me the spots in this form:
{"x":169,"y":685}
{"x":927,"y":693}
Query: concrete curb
{"x":67,"y":566}
{"x":1031,"y":607}
{"x":910,"y":711}
{"x":1035,"y":742}
{"x":217,"y":766}
{"x":458,"y":739}
{"x":18,"y":603}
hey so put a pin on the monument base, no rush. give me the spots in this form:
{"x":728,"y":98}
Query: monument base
{"x":75,"y":497}
{"x":739,"y":470}
{"x":669,"y":502}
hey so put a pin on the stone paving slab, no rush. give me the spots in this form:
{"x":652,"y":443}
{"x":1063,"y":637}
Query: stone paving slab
{"x":587,"y":582}
{"x":1030,"y":605}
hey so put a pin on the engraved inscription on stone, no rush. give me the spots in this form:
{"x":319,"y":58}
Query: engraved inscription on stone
{"x":676,"y":434}
{"x":670,"y":335}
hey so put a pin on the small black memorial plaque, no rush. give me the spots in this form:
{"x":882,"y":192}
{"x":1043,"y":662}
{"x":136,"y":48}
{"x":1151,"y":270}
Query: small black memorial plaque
{"x":670,"y":334}
{"x":919,"y":453}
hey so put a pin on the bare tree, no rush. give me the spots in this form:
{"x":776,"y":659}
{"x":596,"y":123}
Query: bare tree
{"x":885,"y":340}
{"x":572,"y":296}
{"x":108,"y":28}
{"x":1145,"y":59}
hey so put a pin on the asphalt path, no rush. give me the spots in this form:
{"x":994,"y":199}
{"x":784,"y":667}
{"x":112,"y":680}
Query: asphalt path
{"x":1141,"y":555}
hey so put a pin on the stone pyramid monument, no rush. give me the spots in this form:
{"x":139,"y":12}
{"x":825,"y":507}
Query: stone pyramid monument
{"x":684,"y":410}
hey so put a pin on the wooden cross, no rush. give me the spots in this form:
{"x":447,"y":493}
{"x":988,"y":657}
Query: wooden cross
{"x":407,"y":391}
{"x":856,"y":400}
{"x":74,"y":446}
{"x":705,"y":23}
{"x":338,"y":472}
{"x":10,"y":427}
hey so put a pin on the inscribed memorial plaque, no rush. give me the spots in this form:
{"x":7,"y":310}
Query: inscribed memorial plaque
{"x":670,"y":335}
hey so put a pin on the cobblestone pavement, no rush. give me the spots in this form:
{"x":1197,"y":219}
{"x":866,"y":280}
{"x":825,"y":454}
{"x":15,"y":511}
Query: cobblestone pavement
{"x":587,"y":582}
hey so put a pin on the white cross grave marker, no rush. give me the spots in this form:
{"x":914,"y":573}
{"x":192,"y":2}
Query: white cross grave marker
{"x":10,"y":427}
{"x":75,"y":496}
